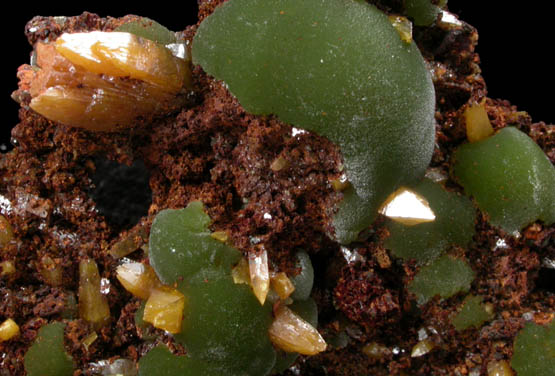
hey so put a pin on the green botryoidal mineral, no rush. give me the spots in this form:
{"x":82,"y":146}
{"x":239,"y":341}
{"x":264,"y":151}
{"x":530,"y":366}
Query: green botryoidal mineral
{"x":161,"y":362}
{"x":337,"y":68}
{"x":534,"y":350}
{"x":148,"y":29}
{"x":423,"y":12}
{"x":473,"y":313}
{"x":47,"y":356}
{"x":305,"y":279}
{"x":453,"y":225}
{"x":445,"y":276}
{"x":510,"y":178}
{"x":219,"y":314}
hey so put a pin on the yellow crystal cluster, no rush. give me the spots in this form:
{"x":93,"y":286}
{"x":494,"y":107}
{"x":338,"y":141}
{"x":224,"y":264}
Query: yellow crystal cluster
{"x":164,"y":304}
{"x":104,"y":81}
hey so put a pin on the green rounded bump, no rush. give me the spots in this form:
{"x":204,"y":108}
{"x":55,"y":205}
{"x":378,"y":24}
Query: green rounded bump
{"x":161,"y":362}
{"x":180,"y":244}
{"x":446,"y":276}
{"x":225,"y":325}
{"x":303,"y":281}
{"x":337,"y":68}
{"x":454,"y":225}
{"x":510,"y":178}
{"x":423,"y":12}
{"x":534,"y":350}
{"x":473,"y":313}
{"x":148,"y":29}
{"x":47,"y":356}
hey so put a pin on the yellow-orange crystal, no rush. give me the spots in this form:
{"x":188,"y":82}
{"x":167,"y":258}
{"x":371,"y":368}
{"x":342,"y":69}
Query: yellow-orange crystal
{"x":478,"y":126}
{"x":137,"y":278}
{"x":282,"y":285}
{"x":259,"y":274}
{"x":104,"y":81}
{"x":291,"y":333}
{"x":93,"y":305}
{"x":8,"y":330}
{"x":164,"y":309}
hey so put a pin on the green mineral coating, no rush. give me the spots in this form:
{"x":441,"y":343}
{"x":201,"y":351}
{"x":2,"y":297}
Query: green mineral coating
{"x":180,"y":244}
{"x":161,"y":362}
{"x":510,"y":178}
{"x":534,"y":350}
{"x":423,"y":12}
{"x":473,"y":313}
{"x":225,"y":325}
{"x":47,"y":356}
{"x":445,"y":276}
{"x":338,"y":68}
{"x":308,"y":310}
{"x":148,"y":29}
{"x":305,"y":279}
{"x":454,"y":225}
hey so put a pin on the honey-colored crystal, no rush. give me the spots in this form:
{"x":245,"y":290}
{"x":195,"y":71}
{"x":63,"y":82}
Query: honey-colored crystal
{"x":407,"y":207}
{"x":374,"y":350}
{"x":104,"y":81}
{"x":478,"y":126}
{"x":89,"y":340}
{"x":164,"y":309}
{"x":221,"y":236}
{"x":499,"y":368}
{"x":422,"y":348}
{"x":259,"y":275}
{"x":8,"y":330}
{"x":403,"y":27}
{"x":7,"y":268}
{"x":291,"y":333}
{"x":6,"y":232}
{"x":240,"y":272}
{"x":93,"y":305}
{"x":137,"y":278}
{"x":282,"y":285}
{"x":279,"y":164}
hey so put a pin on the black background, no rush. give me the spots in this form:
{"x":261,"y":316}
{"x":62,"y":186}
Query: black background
{"x":515,"y":45}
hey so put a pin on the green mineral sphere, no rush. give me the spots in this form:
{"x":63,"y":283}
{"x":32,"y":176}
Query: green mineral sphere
{"x":510,"y":177}
{"x":340,"y":69}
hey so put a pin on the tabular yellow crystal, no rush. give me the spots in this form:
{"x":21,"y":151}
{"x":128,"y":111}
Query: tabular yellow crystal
{"x":499,"y":368}
{"x":240,"y":272}
{"x":259,"y":275}
{"x":93,"y":306}
{"x":422,"y":348}
{"x":403,"y":27}
{"x":8,"y":330}
{"x":164,"y":309}
{"x":7,"y":268}
{"x":137,"y":278}
{"x":291,"y":333}
{"x":478,"y":126}
{"x":105,"y":81}
{"x":282,"y":285}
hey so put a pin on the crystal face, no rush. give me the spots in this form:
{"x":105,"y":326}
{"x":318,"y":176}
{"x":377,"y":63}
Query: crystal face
{"x":104,"y":81}
{"x":308,"y":63}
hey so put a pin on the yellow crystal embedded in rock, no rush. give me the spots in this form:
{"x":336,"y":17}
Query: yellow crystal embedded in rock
{"x":105,"y":81}
{"x":478,"y":126}
{"x":403,"y":27}
{"x":7,"y":268}
{"x":282,"y":285}
{"x":240,"y":272}
{"x":8,"y":330}
{"x":291,"y":333}
{"x":499,"y":368}
{"x":93,"y":305}
{"x":259,"y":275}
{"x":422,"y":348}
{"x":407,"y":207}
{"x":51,"y":271}
{"x":164,"y":309}
{"x":6,"y":232}
{"x":137,"y":278}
